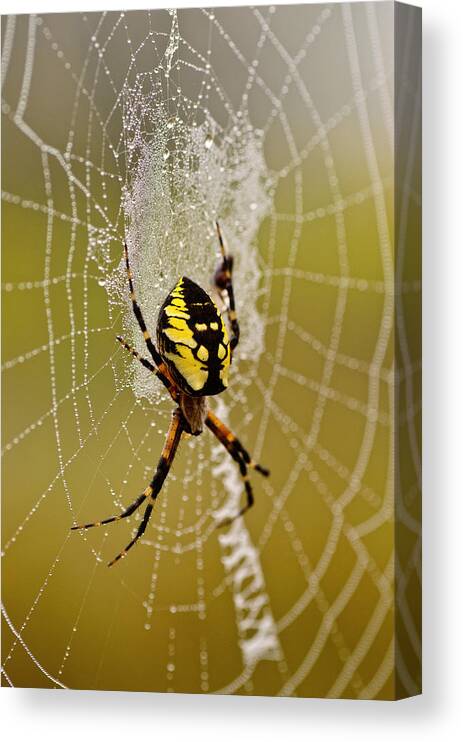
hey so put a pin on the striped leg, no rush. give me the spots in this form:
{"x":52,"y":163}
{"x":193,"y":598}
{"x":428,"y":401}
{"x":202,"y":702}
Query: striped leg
{"x":165,"y":380}
{"x":230,"y":441}
{"x":242,"y":458}
{"x":125,"y":513}
{"x":138,"y":314}
{"x":168,"y":453}
{"x":247,"y":484}
{"x":223,"y":281}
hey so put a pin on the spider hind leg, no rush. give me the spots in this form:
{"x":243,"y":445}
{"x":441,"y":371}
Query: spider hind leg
{"x":239,"y":454}
{"x":160,"y":371}
{"x":228,"y":520}
{"x":151,"y":492}
{"x":125,"y":514}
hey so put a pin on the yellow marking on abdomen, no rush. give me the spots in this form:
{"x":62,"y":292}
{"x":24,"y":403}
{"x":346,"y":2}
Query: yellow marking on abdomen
{"x":178,"y":290}
{"x":179,"y":303}
{"x":179,"y":332}
{"x":180,"y":324}
{"x":189,"y":367}
{"x":202,"y":353}
{"x":180,"y":336}
{"x":172,"y":311}
{"x":224,"y":331}
{"x":214,"y":326}
{"x":223,"y":374}
{"x":221,"y":352}
{"x":200,"y":326}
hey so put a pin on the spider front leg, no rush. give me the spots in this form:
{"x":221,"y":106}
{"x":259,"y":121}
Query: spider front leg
{"x":138,"y":313}
{"x":161,"y":369}
{"x":170,"y":386}
{"x":239,"y":454}
{"x":151,"y":492}
{"x":223,"y":282}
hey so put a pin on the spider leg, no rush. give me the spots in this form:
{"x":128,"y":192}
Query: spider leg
{"x":151,"y":492}
{"x":249,"y":495}
{"x":242,"y":458}
{"x":165,"y":462}
{"x":144,"y":361}
{"x":236,"y":456}
{"x":125,"y":513}
{"x":165,"y":380}
{"x":223,"y":281}
{"x":231,"y":442}
{"x":139,"y":316}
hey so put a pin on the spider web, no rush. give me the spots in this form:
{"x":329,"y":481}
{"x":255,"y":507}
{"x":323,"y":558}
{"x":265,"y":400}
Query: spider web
{"x":147,"y":126}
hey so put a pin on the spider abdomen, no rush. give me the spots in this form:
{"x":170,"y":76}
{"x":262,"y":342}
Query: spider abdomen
{"x":193,"y":340}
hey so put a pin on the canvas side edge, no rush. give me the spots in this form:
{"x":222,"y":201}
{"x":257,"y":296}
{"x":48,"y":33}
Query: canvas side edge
{"x":407,"y":350}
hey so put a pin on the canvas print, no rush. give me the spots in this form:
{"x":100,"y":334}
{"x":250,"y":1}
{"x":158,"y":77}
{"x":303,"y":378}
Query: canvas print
{"x":211,"y":357}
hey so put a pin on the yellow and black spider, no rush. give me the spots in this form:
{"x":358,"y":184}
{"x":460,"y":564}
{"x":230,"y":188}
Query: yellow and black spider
{"x":192,"y":361}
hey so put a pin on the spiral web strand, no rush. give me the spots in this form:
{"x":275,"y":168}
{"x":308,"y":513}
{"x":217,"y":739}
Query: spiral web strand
{"x":174,"y":119}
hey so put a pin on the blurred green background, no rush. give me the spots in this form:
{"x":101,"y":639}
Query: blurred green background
{"x":317,"y":406}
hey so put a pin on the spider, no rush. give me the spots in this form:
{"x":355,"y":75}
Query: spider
{"x":192,"y":360}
